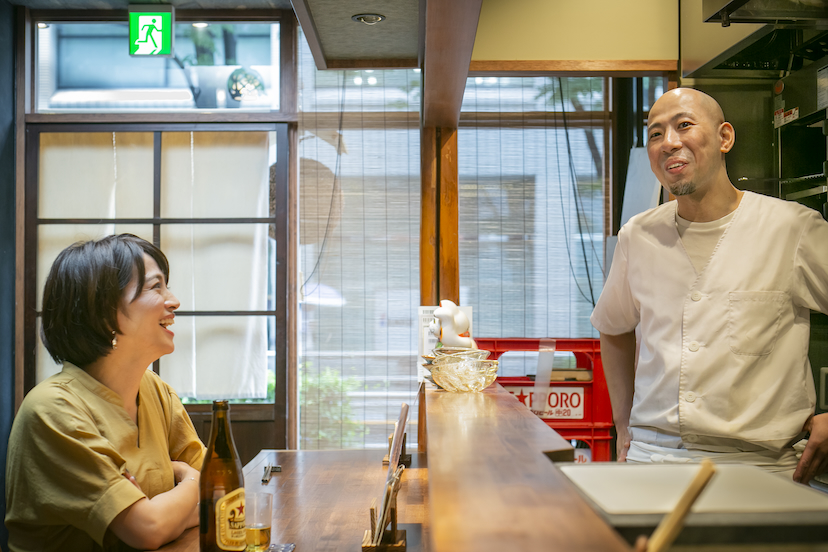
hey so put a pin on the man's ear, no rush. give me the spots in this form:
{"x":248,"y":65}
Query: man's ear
{"x":728,"y":137}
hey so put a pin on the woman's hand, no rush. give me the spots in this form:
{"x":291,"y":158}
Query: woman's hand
{"x":151,"y":523}
{"x":185,"y":472}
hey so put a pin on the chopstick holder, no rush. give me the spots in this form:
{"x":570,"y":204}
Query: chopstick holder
{"x":671,"y":524}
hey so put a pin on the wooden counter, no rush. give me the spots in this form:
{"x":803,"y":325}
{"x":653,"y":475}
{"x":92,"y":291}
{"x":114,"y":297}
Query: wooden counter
{"x":488,"y":485}
{"x":492,"y":485}
{"x":321,"y":499}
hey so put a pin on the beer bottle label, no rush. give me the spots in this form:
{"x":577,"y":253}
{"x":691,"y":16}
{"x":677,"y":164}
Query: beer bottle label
{"x":230,"y":533}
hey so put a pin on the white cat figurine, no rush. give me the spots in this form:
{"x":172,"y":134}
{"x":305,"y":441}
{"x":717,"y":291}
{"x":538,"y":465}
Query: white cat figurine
{"x":451,"y":326}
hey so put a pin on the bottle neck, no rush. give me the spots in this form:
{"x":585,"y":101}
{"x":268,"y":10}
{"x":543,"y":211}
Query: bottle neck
{"x":221,"y":436}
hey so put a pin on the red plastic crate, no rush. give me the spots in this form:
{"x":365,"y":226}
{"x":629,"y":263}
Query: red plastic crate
{"x":595,"y":420}
{"x":599,"y":440}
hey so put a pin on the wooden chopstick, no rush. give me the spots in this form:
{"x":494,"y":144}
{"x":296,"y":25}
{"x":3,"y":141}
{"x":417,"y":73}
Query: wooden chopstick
{"x":672,"y":523}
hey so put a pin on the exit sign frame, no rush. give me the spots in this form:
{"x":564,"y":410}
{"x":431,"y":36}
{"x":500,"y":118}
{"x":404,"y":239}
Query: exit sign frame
{"x":151,"y":30}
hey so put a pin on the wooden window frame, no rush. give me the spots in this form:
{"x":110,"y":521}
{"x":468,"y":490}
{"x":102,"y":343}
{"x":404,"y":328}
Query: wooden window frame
{"x":284,"y":121}
{"x":275,"y":411}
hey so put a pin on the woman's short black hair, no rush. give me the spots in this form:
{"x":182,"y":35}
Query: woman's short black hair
{"x":83,"y":291}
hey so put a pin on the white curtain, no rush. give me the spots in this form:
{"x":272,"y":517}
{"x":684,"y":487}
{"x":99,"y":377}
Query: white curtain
{"x":213,"y":267}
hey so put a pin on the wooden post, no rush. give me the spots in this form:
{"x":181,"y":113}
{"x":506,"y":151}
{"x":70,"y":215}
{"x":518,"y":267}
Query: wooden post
{"x":429,"y":185}
{"x":439,"y":251}
{"x":449,"y":272}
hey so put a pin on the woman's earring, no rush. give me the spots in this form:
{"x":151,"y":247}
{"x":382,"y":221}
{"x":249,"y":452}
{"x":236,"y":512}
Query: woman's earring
{"x":114,"y":340}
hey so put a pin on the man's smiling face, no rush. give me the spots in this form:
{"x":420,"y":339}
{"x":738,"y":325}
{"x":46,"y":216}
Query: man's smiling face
{"x":687,"y":137}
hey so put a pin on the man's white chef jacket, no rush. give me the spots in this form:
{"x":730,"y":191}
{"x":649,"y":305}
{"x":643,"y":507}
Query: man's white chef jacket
{"x":722,"y":363}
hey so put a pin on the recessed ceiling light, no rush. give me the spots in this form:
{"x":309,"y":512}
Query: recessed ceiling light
{"x":368,"y":18}
{"x":200,"y":25}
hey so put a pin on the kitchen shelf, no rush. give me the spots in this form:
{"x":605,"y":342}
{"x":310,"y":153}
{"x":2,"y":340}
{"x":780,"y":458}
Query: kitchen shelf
{"x":802,"y":179}
{"x":808,"y":193}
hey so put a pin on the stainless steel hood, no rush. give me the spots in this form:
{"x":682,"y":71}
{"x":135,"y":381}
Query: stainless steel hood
{"x":776,"y":37}
{"x":778,"y":12}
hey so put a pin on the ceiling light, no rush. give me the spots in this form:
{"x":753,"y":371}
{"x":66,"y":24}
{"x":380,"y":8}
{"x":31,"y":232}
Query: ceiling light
{"x":42,"y":25}
{"x":372,"y":81}
{"x":200,"y":25}
{"x":368,"y":18}
{"x":357,"y":80}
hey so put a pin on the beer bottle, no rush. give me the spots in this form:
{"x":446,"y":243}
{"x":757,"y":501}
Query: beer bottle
{"x":222,"y":488}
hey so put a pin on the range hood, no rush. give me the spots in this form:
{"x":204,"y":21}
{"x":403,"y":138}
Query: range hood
{"x":807,"y":13}
{"x":775,"y":37}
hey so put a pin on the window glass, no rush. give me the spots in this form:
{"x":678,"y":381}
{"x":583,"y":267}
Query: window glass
{"x":218,"y":267}
{"x":220,"y":356}
{"x":54,"y":238}
{"x":223,"y":272}
{"x":95,"y":175}
{"x":216,"y":174}
{"x":87,"y":67}
{"x":532,"y":207}
{"x":359,"y":209}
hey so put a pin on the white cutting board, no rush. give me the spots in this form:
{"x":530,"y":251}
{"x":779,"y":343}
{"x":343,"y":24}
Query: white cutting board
{"x":656,"y":488}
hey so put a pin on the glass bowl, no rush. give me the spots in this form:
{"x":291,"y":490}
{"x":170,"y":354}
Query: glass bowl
{"x":453,"y":354}
{"x":465,"y":375}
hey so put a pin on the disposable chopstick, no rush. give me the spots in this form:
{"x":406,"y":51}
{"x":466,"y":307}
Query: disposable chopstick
{"x":671,"y":524}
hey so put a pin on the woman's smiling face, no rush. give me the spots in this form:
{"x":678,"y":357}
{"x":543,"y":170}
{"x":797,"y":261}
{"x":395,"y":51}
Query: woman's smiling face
{"x":144,"y":321}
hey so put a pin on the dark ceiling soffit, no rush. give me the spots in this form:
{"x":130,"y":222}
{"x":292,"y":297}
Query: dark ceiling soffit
{"x":303,"y":14}
{"x":451,"y":26}
{"x":180,"y":15}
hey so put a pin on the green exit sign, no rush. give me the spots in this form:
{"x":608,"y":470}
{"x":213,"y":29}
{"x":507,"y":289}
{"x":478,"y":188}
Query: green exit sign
{"x":151,"y":30}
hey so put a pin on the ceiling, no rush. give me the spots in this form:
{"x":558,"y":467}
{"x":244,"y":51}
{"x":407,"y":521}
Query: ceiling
{"x":345,"y":43}
{"x":337,"y":41}
{"x":179,"y":4}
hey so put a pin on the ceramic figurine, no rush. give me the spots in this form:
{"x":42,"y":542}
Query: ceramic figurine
{"x":451,"y":326}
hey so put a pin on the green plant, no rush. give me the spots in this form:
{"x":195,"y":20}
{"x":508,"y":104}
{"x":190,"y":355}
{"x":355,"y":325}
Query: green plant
{"x":271,"y":394}
{"x":326,"y":408}
{"x":204,"y":41}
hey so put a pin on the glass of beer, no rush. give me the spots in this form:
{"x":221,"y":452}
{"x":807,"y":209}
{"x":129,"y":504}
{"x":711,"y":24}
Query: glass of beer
{"x":257,"y":521}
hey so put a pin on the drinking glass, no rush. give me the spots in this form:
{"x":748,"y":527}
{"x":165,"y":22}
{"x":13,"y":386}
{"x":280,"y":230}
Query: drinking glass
{"x":257,"y":521}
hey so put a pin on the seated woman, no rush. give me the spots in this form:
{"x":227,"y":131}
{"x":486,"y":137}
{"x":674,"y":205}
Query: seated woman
{"x":103,"y":454}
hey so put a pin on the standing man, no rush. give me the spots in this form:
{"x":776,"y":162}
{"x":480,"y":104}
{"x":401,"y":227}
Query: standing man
{"x":705,"y":315}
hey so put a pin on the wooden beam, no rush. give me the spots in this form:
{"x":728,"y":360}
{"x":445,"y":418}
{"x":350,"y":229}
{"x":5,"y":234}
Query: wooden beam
{"x":428,"y":217}
{"x":224,"y":116}
{"x":450,"y":28}
{"x":288,"y":54}
{"x":449,"y":272}
{"x":303,"y":14}
{"x":293,"y":286}
{"x":572,"y":68}
{"x":23,"y":105}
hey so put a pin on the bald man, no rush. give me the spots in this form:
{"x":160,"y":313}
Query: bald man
{"x":705,"y":315}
